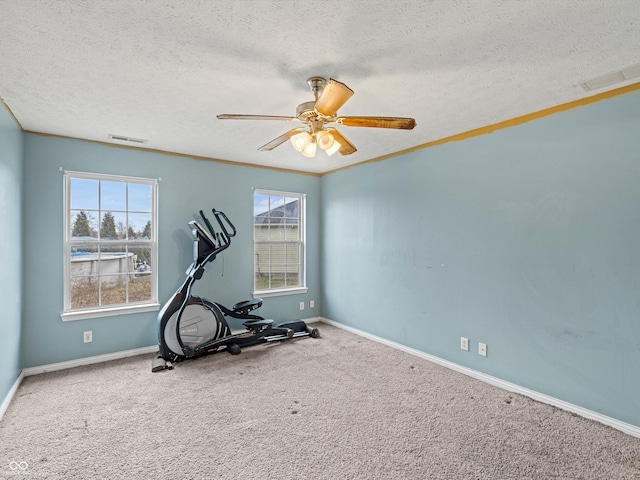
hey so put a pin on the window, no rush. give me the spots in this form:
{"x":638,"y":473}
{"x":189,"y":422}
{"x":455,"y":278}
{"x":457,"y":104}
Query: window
{"x":110,"y":245}
{"x":278,"y":236}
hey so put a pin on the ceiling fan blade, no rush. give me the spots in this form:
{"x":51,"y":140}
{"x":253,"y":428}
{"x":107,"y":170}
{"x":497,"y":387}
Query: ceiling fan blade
{"x":346,"y":147}
{"x":334,"y":95}
{"x":233,"y":116}
{"x":378,"y":122}
{"x":281,"y":139}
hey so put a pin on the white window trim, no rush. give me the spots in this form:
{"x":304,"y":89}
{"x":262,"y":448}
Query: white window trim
{"x":108,"y":312}
{"x":299,"y":289}
{"x":278,"y":292}
{"x":112,"y":310}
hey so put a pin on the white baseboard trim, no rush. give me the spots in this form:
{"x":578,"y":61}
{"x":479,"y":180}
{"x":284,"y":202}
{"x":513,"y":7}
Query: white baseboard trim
{"x":312,"y":320}
{"x":52,"y":367}
{"x":9,"y":397}
{"x":627,"y":428}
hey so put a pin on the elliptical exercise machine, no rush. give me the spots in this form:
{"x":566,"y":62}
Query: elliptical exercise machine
{"x":190,"y":326}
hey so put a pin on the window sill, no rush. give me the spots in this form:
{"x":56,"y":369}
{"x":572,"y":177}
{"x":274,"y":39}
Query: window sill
{"x":277,"y":293}
{"x":108,"y":312}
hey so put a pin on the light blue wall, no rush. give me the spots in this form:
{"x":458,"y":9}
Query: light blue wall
{"x":11,"y":146}
{"x":527,"y":239}
{"x":186,"y":186}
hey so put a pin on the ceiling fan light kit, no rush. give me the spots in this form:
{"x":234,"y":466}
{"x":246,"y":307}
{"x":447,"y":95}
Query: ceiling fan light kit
{"x":304,"y":143}
{"x":326,"y":142}
{"x":329,"y":97}
{"x":300,"y":140}
{"x":307,"y":143}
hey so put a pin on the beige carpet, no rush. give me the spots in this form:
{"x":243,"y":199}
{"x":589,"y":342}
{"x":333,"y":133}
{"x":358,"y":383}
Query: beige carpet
{"x":337,"y":407}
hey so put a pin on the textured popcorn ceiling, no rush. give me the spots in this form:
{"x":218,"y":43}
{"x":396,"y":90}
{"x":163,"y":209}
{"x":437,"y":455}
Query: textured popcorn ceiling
{"x":162,"y":70}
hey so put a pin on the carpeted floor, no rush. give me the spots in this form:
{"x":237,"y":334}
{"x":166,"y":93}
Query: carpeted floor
{"x":337,"y":407}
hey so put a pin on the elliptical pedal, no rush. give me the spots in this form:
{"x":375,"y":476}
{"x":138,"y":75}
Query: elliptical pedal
{"x":258,"y":325}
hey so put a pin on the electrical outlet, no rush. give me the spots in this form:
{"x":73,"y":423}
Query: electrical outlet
{"x":482,"y":349}
{"x":312,"y":303}
{"x":301,"y":305}
{"x":464,"y":343}
{"x":88,"y":337}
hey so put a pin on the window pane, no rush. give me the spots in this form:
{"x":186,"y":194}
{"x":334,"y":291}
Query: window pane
{"x":276,"y":230}
{"x":83,"y":261}
{"x":140,"y":259}
{"x":140,"y":197}
{"x":113,"y":195}
{"x":293,"y":280}
{"x":260,"y":204}
{"x":140,"y":287}
{"x":113,"y":289}
{"x":120,"y":219}
{"x":293,"y":257}
{"x":261,"y":281}
{"x":292,"y":232}
{"x":291,"y":210}
{"x":84,"y":291}
{"x":84,"y":194}
{"x":261,"y":266}
{"x":277,"y":267}
{"x":260,"y":233}
{"x":83,"y":224}
{"x":115,"y":260}
{"x":116,"y":267}
{"x":277,"y":280}
{"x":262,"y":258}
{"x":275,"y":206}
{"x":108,"y":229}
{"x":140,"y":225}
{"x":278,"y":255}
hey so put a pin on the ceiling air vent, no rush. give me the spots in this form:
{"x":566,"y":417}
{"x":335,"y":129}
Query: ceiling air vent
{"x":602,"y":81}
{"x":122,"y":138}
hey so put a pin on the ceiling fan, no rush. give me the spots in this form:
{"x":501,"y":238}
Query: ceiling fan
{"x":317,"y":115}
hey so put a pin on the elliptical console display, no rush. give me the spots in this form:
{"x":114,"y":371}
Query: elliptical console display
{"x":190,"y":326}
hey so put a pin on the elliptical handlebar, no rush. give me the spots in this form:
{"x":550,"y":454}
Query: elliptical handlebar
{"x":223,"y":237}
{"x":219,"y":217}
{"x":208,"y":244}
{"x":209,"y":226}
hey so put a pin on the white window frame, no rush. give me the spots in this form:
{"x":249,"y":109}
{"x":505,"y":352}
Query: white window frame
{"x":152,"y":304}
{"x":302,"y":288}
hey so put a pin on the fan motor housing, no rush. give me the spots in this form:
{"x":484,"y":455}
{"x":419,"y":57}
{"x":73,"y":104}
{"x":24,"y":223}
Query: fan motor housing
{"x":305,"y":111}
